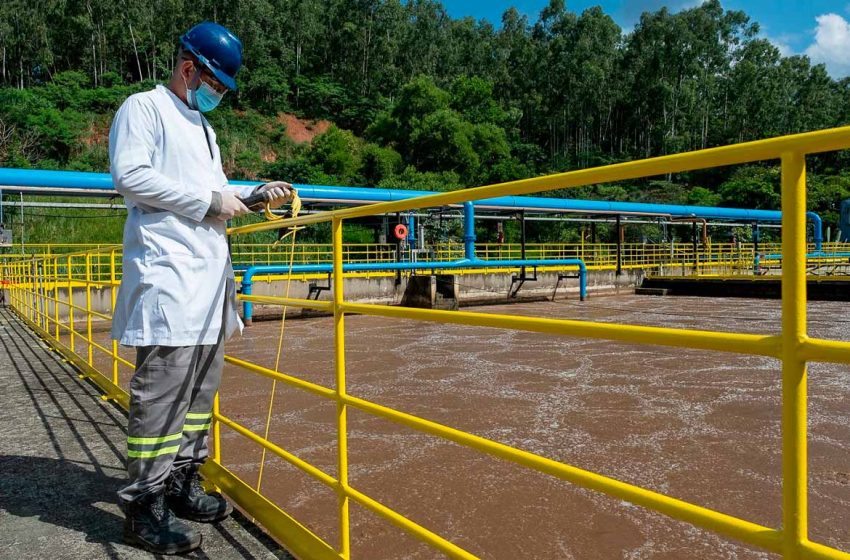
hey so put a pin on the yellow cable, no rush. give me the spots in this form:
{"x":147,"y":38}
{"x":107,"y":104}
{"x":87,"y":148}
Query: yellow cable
{"x":296,"y":208}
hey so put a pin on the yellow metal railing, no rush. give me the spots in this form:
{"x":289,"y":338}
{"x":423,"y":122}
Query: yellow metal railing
{"x":310,"y":253}
{"x":41,"y":287}
{"x":47,"y":249}
{"x":712,"y":259}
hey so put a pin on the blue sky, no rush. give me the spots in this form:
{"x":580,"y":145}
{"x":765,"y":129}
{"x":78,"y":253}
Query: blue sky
{"x":818,"y":28}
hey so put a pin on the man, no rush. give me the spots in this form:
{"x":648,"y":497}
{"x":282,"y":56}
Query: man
{"x":176,"y":303}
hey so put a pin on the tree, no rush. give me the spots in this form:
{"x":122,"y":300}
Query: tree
{"x":752,"y":187}
{"x":338,"y":153}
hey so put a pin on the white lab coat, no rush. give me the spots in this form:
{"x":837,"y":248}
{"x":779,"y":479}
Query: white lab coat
{"x":176,"y":264}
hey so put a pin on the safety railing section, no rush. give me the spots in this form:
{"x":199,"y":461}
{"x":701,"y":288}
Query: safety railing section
{"x":311,"y":253}
{"x":58,"y":296}
{"x":701,"y":259}
{"x":42,"y":292}
{"x":48,"y":249}
{"x":63,"y":296}
{"x":704,"y":259}
{"x":793,"y":347}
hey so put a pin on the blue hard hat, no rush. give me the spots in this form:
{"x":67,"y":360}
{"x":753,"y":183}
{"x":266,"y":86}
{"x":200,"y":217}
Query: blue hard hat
{"x":216,"y":48}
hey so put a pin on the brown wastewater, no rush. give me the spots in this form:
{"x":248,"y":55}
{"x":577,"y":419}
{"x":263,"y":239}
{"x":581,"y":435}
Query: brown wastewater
{"x":699,"y":426}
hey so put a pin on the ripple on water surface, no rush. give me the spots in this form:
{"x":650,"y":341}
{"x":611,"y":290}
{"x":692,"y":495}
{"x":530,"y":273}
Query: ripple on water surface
{"x":700,"y":426}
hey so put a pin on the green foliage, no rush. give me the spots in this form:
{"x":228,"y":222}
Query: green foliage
{"x":701,"y":196}
{"x":338,"y":154}
{"x":443,"y":141}
{"x":321,"y":96}
{"x":472,"y":97}
{"x":63,"y":225}
{"x":825,"y":194}
{"x":296,"y":170}
{"x":266,"y":89}
{"x":752,"y":187}
{"x":379,"y":163}
{"x":421,"y":100}
{"x":412,"y":179}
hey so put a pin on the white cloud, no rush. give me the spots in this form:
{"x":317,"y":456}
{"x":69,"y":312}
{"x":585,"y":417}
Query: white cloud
{"x":832,"y":44}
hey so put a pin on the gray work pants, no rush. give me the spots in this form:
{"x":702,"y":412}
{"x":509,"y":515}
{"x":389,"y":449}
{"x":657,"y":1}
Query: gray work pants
{"x":171,"y":399}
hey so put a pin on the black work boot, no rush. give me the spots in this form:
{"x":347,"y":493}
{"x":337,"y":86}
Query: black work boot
{"x":149,"y":524}
{"x":187,"y":498}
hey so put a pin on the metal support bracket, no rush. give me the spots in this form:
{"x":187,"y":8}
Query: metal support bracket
{"x":315,"y":288}
{"x":519,"y":280}
{"x":558,"y":283}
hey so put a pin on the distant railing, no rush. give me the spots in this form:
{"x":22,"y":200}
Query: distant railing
{"x":707,"y":259}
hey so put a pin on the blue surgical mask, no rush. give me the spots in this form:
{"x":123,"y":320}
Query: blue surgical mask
{"x":203,"y":99}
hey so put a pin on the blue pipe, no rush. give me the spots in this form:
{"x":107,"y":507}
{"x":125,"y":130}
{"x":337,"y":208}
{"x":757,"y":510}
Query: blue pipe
{"x":818,"y":227}
{"x":57,"y":179}
{"x":469,"y":231}
{"x":815,"y":255}
{"x":102,"y":184}
{"x":253,"y":270}
{"x":411,"y":230}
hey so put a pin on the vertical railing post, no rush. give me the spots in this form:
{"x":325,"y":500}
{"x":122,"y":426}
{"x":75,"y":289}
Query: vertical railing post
{"x":33,"y":287}
{"x":35,"y":303}
{"x":70,"y":304}
{"x":56,"y":297}
{"x":341,"y":409}
{"x":794,"y":471}
{"x":695,"y":245}
{"x":36,"y":292}
{"x":42,"y":297}
{"x":89,"y":345}
{"x":216,"y":429}
{"x":22,"y":290}
{"x":113,"y":296}
{"x":619,"y":247}
{"x":15,"y":287}
{"x":44,"y":314}
{"x":27,"y":292}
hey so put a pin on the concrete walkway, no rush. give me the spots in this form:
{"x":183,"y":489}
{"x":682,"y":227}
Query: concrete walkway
{"x":62,"y":459}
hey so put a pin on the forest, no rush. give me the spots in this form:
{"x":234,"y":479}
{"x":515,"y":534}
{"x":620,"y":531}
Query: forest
{"x":419,"y":99}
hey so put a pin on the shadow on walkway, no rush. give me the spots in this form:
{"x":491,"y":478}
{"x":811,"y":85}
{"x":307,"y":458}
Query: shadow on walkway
{"x":61,"y":493}
{"x":63,"y":461}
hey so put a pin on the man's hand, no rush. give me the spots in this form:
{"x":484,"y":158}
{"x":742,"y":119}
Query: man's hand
{"x":277,"y":193}
{"x":231,"y":207}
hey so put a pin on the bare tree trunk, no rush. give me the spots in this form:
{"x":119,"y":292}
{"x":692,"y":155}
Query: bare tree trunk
{"x":94,"y":61}
{"x":104,"y":50}
{"x":153,"y":43}
{"x":365,"y":86}
{"x":297,"y":70}
{"x":136,"y":51}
